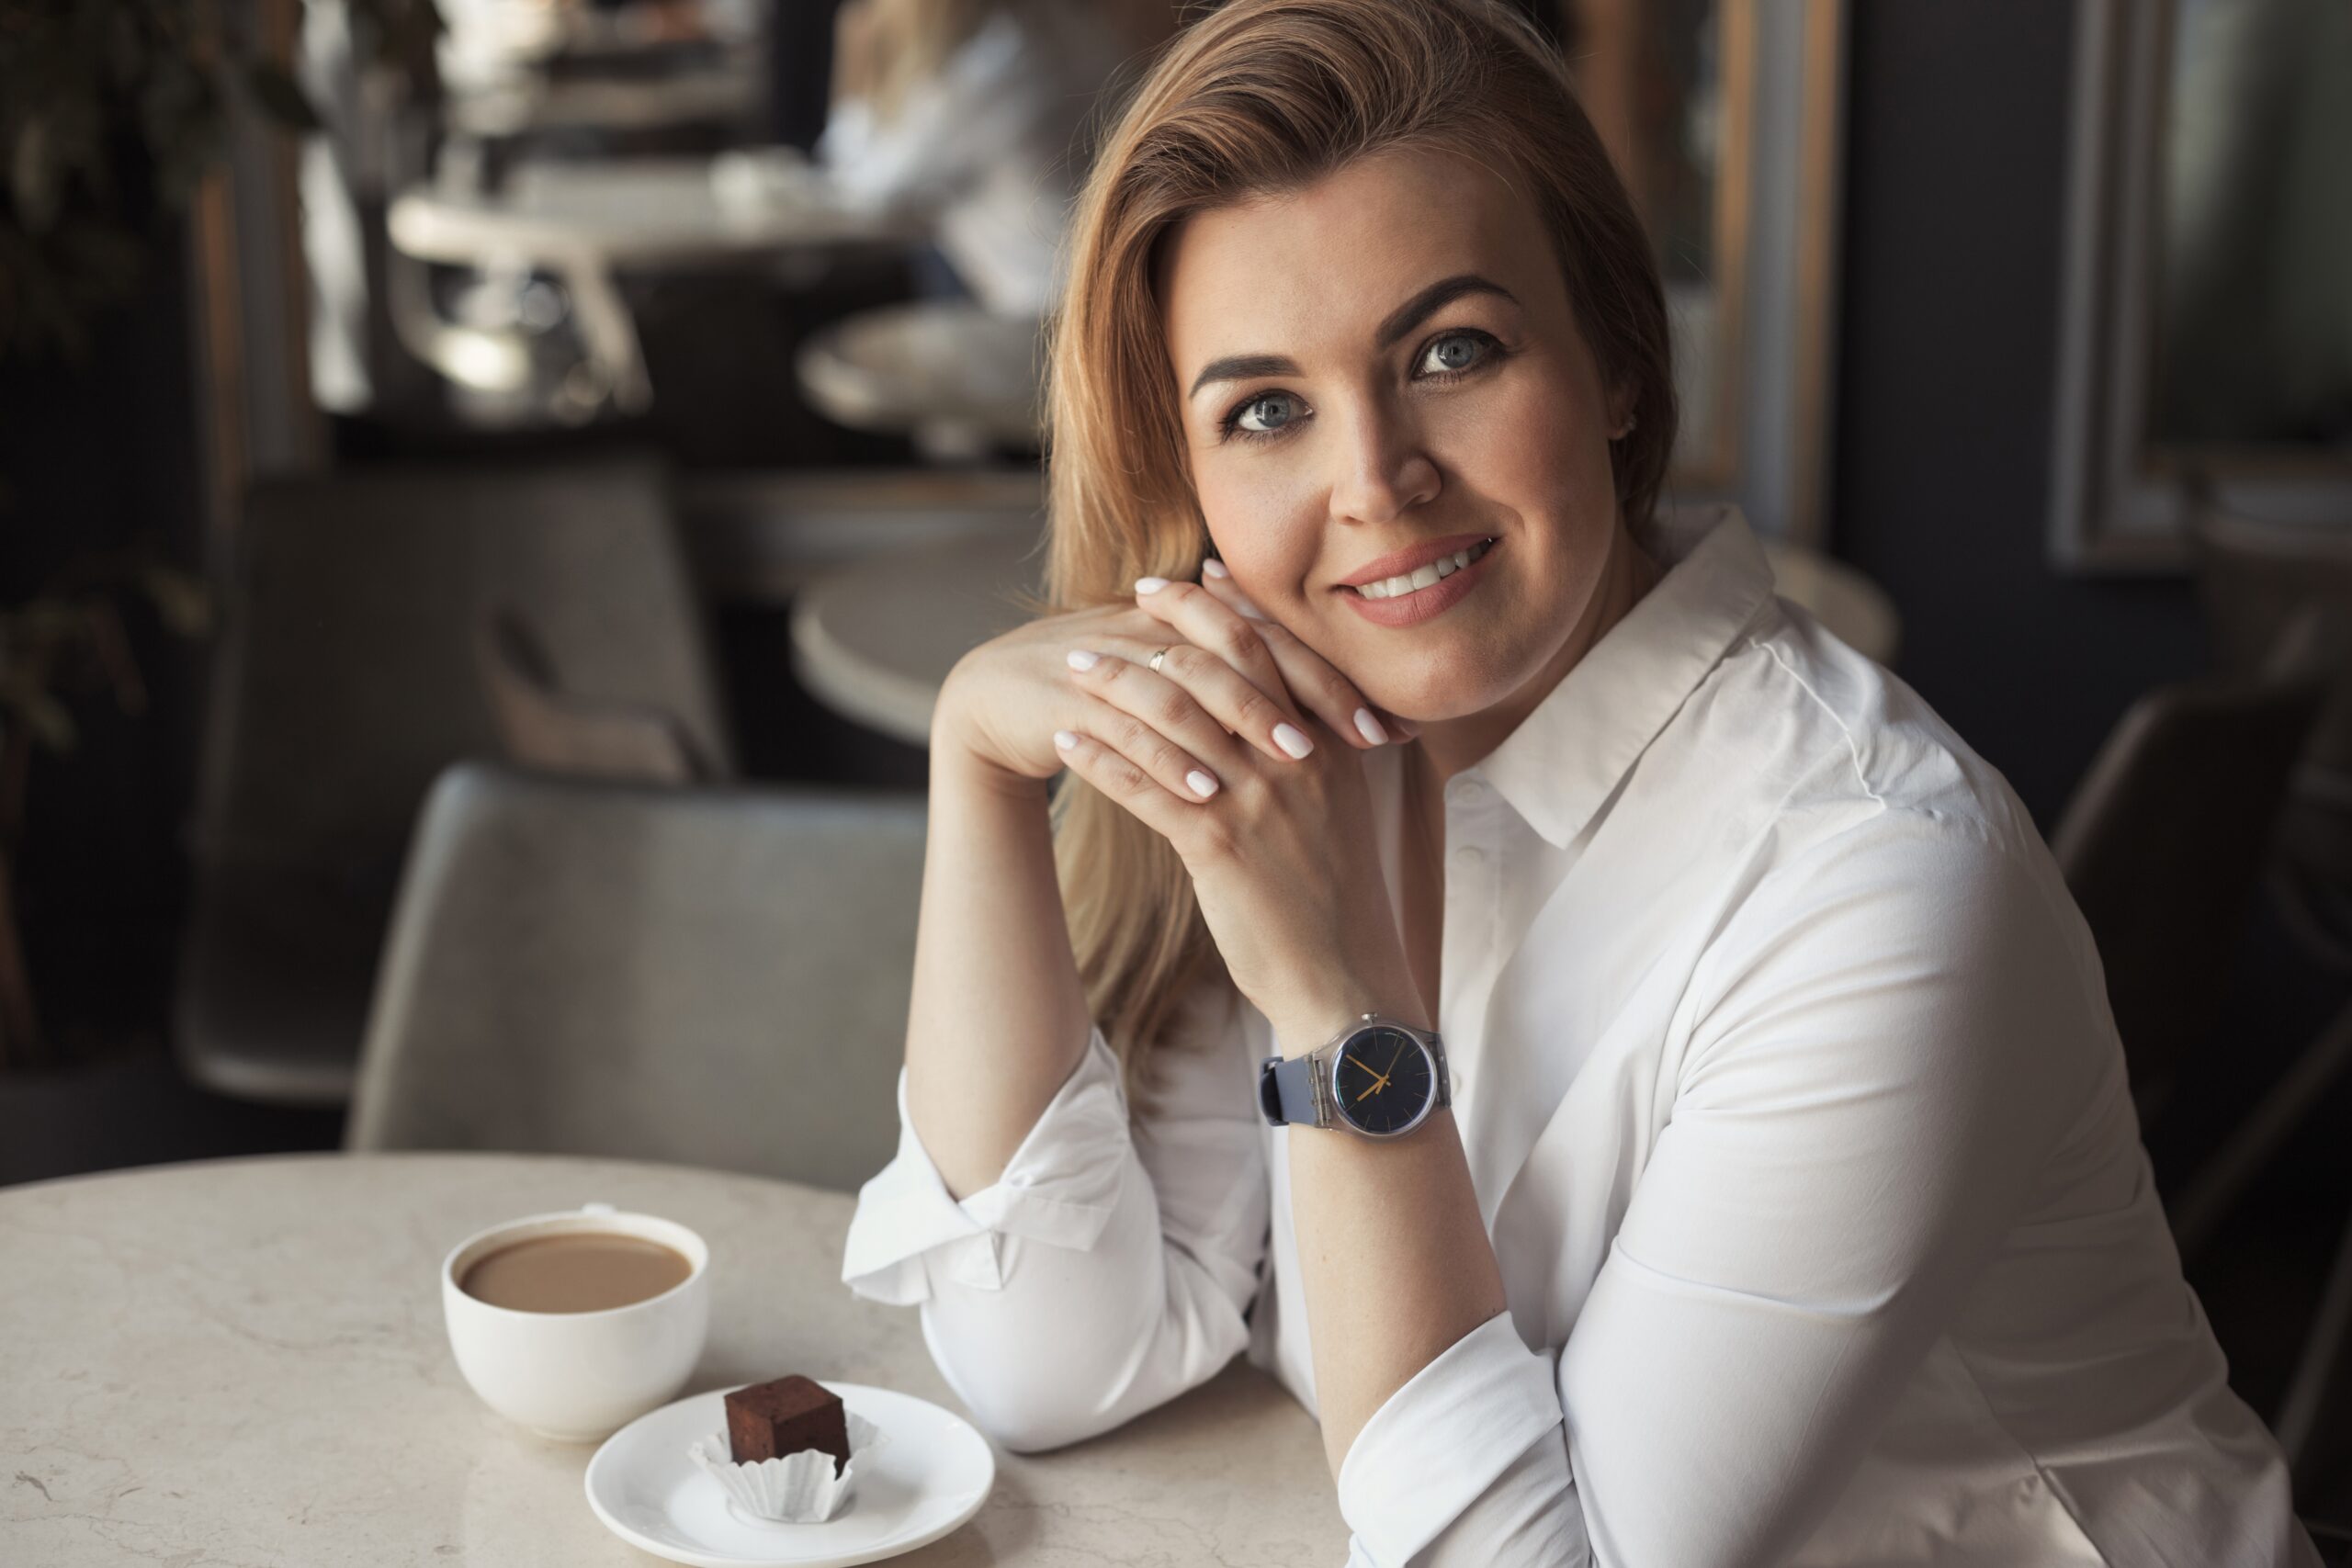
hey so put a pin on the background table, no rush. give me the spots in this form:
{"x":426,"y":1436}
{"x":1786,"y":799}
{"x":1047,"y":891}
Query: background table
{"x":875,"y":639}
{"x":243,"y":1362}
{"x":954,"y":378}
{"x":586,"y":221}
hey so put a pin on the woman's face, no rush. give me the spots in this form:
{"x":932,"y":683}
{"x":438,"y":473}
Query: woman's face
{"x":1379,"y":371}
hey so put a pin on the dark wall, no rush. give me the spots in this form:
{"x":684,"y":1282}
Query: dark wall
{"x":1956,"y":171}
{"x":95,"y":456}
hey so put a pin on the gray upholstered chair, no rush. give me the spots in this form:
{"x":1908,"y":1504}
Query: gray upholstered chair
{"x":717,"y":977}
{"x":346,"y":681}
{"x":2164,"y":846}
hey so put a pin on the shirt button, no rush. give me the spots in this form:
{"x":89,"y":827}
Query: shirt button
{"x":1470,"y":792}
{"x":1469,"y":858}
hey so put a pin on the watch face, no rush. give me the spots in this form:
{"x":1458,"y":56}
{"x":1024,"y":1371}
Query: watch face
{"x":1381,"y":1080}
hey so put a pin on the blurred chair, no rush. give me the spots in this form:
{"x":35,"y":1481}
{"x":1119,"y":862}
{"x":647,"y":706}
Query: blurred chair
{"x":348,"y":680}
{"x":2164,"y":846}
{"x":546,"y":725}
{"x":2274,"y":594}
{"x":711,"y":977}
{"x":2257,"y":579}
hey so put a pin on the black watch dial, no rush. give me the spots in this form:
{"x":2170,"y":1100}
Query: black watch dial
{"x":1381,"y":1080}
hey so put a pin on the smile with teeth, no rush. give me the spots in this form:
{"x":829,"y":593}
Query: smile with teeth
{"x":1424,"y":576}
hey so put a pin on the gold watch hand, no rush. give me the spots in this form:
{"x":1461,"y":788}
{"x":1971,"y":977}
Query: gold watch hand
{"x":1376,"y":1088}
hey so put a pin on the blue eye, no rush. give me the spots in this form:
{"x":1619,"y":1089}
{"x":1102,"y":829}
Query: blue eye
{"x":1455,"y":353}
{"x":1264,"y":414}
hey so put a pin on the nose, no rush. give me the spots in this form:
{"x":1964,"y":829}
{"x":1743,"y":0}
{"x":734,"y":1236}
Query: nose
{"x":1382,"y":471}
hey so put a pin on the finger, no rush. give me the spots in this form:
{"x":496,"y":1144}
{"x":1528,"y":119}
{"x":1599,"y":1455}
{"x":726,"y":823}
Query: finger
{"x":1164,"y":732}
{"x":1208,"y":622}
{"x":1195,"y":698}
{"x":1202,"y":621}
{"x":1331,"y":697}
{"x":1218,"y":580}
{"x":1123,"y":780}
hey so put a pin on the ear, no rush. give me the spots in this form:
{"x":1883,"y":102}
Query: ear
{"x":1621,"y":411}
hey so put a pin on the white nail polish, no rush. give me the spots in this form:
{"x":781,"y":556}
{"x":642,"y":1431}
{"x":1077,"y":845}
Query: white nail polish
{"x":1203,"y":785}
{"x":1150,"y":584}
{"x":1369,"y":727}
{"x":1213,"y":568}
{"x":1293,"y":741}
{"x":1064,"y":740}
{"x":1079,"y":658}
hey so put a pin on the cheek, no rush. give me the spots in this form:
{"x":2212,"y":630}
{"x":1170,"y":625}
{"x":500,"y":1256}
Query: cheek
{"x":1540,"y":455}
{"x":1266,"y":526}
{"x":1538,"y":444}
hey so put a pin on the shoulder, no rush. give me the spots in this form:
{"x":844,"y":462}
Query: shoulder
{"x":1834,"y":729}
{"x":1889,"y":878}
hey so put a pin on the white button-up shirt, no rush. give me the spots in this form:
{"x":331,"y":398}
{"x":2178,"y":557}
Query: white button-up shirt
{"x":1797,"y":1119}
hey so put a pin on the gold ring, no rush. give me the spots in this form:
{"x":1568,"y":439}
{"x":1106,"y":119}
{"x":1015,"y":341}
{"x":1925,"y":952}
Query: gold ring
{"x":1157,"y":658}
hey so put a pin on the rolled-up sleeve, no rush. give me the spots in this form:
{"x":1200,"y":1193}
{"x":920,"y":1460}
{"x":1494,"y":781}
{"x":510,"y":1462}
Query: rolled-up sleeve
{"x":1109,"y":1266}
{"x":1884,"y":1042}
{"x":1470,"y":1446}
{"x":1059,"y":1189}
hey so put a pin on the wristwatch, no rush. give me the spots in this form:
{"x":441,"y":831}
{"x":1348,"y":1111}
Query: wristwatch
{"x":1376,"y":1078}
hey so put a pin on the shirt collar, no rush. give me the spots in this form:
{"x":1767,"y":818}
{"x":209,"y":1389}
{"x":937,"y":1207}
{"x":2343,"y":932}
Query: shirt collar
{"x":1568,"y":755}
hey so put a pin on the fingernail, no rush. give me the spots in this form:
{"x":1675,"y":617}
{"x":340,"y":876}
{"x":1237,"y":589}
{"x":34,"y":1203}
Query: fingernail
{"x":1213,"y":568}
{"x":1064,"y":740}
{"x":1203,"y":785}
{"x":1293,"y":741}
{"x":1366,"y":726}
{"x":1079,"y":658}
{"x":1150,"y":584}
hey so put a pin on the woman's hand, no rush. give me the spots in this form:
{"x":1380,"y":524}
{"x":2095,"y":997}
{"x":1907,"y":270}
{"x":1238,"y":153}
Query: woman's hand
{"x":1279,"y":845}
{"x":1003,"y":702}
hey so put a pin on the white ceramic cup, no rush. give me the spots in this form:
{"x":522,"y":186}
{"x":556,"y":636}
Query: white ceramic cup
{"x":578,"y":1377}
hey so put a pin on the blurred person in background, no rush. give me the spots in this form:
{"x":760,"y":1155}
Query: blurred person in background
{"x":975,"y":109}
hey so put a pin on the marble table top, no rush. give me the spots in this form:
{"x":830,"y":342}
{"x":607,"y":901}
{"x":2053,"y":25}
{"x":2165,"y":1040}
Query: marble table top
{"x":944,"y":366}
{"x":637,"y":213}
{"x":876,"y":638}
{"x":243,"y":1363}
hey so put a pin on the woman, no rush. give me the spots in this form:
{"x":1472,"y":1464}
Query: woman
{"x":1787,"y":1204}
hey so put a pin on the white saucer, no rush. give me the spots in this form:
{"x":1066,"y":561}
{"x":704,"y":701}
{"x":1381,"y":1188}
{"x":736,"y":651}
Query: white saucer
{"x":932,"y":1475}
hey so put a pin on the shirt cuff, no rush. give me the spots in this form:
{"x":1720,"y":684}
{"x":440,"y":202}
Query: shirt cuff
{"x":1060,"y":1188}
{"x":1441,"y":1441}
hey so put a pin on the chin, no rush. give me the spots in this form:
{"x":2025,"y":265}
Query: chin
{"x":1437,"y":688}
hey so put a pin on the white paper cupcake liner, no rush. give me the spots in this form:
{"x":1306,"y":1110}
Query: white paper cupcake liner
{"x":798,"y":1488}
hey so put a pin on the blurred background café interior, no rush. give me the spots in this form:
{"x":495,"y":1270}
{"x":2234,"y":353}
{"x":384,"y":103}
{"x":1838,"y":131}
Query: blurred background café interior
{"x":489,"y":490}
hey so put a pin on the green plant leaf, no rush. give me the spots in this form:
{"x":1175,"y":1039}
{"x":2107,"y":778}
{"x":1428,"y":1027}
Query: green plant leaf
{"x":182,"y":602}
{"x":34,"y":180}
{"x":51,"y":723}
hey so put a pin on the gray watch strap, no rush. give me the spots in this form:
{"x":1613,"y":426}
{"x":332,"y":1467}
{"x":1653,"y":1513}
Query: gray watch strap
{"x":1286,"y":1090}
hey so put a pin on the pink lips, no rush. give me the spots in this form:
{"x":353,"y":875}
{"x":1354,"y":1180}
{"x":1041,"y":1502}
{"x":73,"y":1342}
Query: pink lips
{"x":1411,"y":609}
{"x":1397,"y":563}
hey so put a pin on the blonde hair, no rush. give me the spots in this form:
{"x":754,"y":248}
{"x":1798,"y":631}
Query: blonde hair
{"x":1264,"y":96}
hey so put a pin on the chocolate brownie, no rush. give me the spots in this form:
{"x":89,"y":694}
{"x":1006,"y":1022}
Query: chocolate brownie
{"x":769,"y":1420}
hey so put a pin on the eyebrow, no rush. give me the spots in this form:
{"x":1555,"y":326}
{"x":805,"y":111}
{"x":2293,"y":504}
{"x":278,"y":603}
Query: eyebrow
{"x":1393,"y":326}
